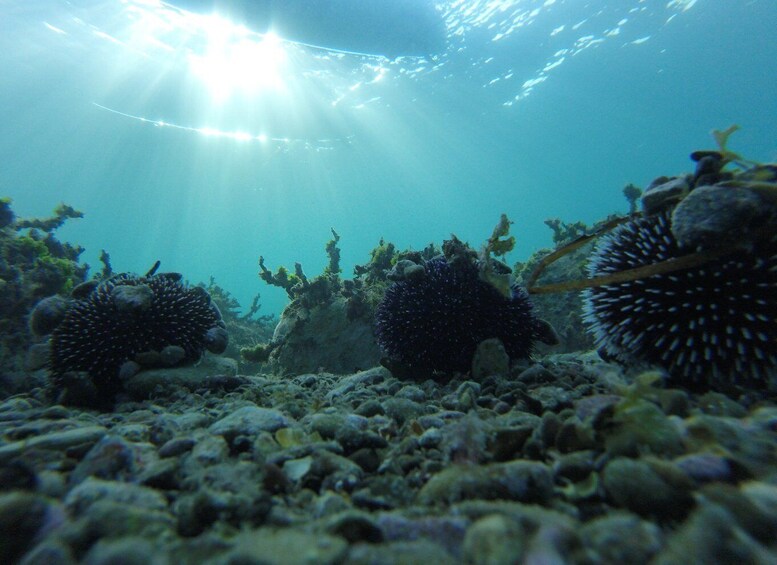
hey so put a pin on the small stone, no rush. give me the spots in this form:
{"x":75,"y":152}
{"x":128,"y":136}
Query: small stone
{"x":575,"y":466}
{"x":172,"y":355}
{"x":415,"y":552}
{"x":663,"y":195}
{"x":430,"y":438}
{"x":710,"y":535}
{"x":523,"y":481}
{"x":272,"y":546}
{"x":296,"y":469}
{"x":639,"y":427}
{"x":331,"y":471}
{"x":93,"y":490}
{"x":620,"y":538}
{"x":110,"y":458}
{"x":135,"y":298}
{"x":490,"y":359}
{"x":57,"y":441}
{"x":366,"y":458}
{"x":507,"y":443}
{"x":574,"y":436}
{"x":249,"y":421}
{"x":37,"y":356}
{"x":355,"y":526}
{"x":124,"y":551}
{"x":48,"y":314}
{"x":326,"y":424}
{"x":370,"y":408}
{"x":160,"y":474}
{"x":128,"y":370}
{"x":705,"y":467}
{"x":411,"y":392}
{"x":402,"y":409}
{"x":717,"y":404}
{"x":176,"y":446}
{"x":209,"y":451}
{"x":216,"y":340}
{"x":17,"y":475}
{"x":414,"y":272}
{"x":493,"y":540}
{"x":24,"y":518}
{"x":636,"y":485}
{"x":331,"y":503}
{"x":84,"y":289}
{"x":49,"y":552}
{"x":711,"y":214}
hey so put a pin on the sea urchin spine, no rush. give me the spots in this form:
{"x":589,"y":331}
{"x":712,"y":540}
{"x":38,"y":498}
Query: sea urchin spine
{"x":434,"y":322}
{"x":126,"y":317}
{"x":708,"y":324}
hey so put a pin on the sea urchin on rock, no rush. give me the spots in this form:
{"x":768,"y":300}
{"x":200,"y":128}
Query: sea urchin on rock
{"x":434,"y":322}
{"x":128,"y":319}
{"x":708,"y":324}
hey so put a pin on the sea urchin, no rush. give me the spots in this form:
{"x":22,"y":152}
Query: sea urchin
{"x":112,"y":323}
{"x":707,"y":324}
{"x":434,"y":322}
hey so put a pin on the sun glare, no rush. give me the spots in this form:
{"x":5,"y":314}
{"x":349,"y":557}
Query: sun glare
{"x":235,"y":60}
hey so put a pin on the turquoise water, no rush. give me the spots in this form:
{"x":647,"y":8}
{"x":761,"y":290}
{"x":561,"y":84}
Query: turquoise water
{"x":194,"y":140}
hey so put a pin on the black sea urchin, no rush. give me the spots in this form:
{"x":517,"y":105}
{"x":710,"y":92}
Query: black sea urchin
{"x":436,"y":321}
{"x":127,"y":315}
{"x":712,"y":323}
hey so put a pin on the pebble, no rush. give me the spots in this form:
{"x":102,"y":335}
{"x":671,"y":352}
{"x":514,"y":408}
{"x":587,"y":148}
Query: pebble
{"x":490,"y":358}
{"x":525,"y":481}
{"x":711,"y":214}
{"x":705,"y":467}
{"x":93,"y":490}
{"x":57,"y":441}
{"x":176,"y":446}
{"x":286,"y":547}
{"x":24,"y":519}
{"x":494,"y":540}
{"x":249,"y":420}
{"x":636,"y":485}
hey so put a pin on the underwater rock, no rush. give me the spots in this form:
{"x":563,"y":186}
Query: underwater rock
{"x":56,"y":441}
{"x":93,"y":491}
{"x":664,"y":193}
{"x":48,"y":314}
{"x":620,"y":538}
{"x":128,"y":315}
{"x":638,"y":486}
{"x":524,"y":481}
{"x":562,"y":311}
{"x":134,"y":298}
{"x":494,"y":540}
{"x":323,"y":337}
{"x":711,"y":214}
{"x":490,"y":359}
{"x":174,"y":354}
{"x":130,"y":550}
{"x":37,"y":356}
{"x":706,"y":467}
{"x":24,"y":519}
{"x":249,"y":421}
{"x":216,"y":340}
{"x":711,"y":535}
